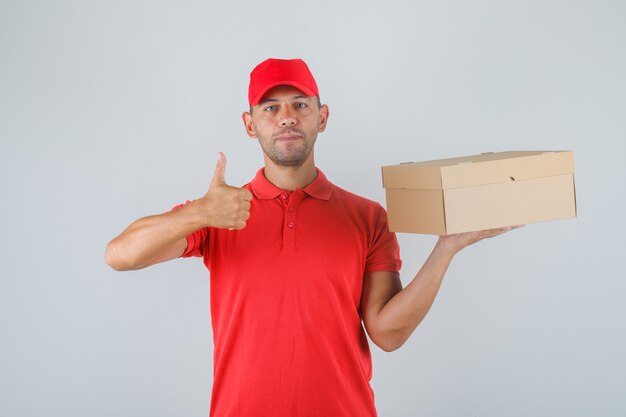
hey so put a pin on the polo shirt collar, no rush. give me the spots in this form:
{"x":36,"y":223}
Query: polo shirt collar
{"x":320,"y":188}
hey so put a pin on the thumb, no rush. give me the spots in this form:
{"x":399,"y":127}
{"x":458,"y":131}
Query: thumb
{"x":220,"y":170}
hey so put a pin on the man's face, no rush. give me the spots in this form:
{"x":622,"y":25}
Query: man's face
{"x":286,"y":123}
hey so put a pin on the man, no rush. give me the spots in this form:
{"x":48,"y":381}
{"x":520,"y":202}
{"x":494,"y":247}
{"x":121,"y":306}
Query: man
{"x":297,"y":266}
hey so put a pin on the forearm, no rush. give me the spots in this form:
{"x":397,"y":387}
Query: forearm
{"x":147,"y":237}
{"x":405,"y":310}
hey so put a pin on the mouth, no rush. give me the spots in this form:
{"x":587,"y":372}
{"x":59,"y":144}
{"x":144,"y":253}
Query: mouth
{"x":288,"y":136}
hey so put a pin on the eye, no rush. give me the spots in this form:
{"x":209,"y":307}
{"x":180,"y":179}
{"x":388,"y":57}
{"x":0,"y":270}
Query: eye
{"x":300,"y":105}
{"x":269,"y":108}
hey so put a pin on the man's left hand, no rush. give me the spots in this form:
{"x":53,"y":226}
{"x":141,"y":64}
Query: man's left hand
{"x":458,"y":241}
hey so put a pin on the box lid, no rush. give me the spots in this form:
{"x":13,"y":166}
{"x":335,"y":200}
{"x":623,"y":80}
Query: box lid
{"x":486,"y":168}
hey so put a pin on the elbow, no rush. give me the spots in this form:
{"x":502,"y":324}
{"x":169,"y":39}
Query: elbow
{"x":389,"y":346}
{"x":388,"y":342}
{"x":114,"y":258}
{"x":387,"y":336}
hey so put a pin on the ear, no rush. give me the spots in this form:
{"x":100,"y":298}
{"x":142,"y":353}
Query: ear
{"x":323,"y":118}
{"x":247,"y":123}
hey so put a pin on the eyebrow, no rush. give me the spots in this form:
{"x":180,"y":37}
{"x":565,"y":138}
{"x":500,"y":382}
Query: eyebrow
{"x":275,"y":100}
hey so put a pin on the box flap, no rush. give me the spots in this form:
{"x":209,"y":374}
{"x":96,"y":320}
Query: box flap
{"x":487,"y":168}
{"x":412,"y":176}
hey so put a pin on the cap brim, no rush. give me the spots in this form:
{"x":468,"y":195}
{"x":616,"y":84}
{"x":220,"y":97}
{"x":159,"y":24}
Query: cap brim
{"x":299,"y":86}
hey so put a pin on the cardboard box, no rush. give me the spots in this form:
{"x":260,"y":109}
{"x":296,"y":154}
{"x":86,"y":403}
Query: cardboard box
{"x":480,"y":192}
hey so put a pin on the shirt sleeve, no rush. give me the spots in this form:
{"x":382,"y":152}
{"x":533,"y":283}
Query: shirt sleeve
{"x":384,"y":252}
{"x":196,"y":241}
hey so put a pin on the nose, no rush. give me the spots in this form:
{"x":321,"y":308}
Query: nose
{"x":287,"y":116}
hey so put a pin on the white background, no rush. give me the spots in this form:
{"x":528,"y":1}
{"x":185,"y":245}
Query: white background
{"x":113,"y":110}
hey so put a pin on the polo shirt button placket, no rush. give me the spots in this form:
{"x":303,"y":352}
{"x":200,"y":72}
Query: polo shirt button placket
{"x":289,"y":237}
{"x":291,"y":202}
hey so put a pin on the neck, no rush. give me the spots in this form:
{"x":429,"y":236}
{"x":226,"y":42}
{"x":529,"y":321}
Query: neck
{"x":290,"y":178}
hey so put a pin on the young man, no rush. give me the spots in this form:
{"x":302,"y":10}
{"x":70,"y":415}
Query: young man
{"x":297,"y":266}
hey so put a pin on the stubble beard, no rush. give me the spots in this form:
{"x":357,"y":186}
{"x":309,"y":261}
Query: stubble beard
{"x":288,"y":154}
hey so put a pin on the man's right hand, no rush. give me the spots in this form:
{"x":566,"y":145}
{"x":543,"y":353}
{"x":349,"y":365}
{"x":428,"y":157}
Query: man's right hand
{"x":159,"y":238}
{"x":224,"y":206}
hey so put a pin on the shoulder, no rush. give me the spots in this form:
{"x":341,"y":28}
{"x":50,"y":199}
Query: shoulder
{"x":370,"y":219}
{"x":346,"y":195}
{"x":357,"y":202}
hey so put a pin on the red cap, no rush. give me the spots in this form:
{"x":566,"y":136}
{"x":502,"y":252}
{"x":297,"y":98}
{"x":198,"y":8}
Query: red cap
{"x":273,"y":72}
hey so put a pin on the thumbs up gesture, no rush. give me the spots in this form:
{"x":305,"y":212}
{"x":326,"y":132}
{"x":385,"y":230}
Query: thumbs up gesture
{"x":224,"y":206}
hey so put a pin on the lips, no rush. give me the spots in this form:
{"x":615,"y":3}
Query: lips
{"x":288,"y":136}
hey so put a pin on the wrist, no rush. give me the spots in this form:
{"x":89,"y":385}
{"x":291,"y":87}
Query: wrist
{"x":197,"y":211}
{"x":447,"y":245}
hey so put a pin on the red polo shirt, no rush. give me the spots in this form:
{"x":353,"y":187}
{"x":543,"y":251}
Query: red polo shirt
{"x":285,"y":301}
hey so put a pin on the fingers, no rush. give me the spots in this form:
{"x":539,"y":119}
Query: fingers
{"x":238,"y":226}
{"x":219,"y":176}
{"x":235,"y":211}
{"x":459,"y":241}
{"x":247,"y":195}
{"x":226,"y":207}
{"x":499,"y":231}
{"x":489,"y":233}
